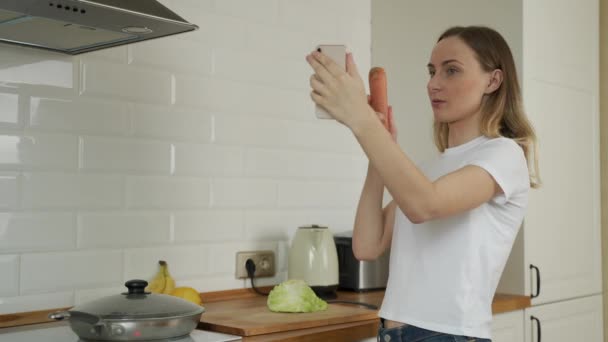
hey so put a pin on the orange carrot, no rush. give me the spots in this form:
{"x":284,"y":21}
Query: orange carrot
{"x":378,"y":92}
{"x":378,"y":98}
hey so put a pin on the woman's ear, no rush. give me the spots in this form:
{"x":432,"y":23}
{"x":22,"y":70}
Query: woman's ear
{"x":495,"y":81}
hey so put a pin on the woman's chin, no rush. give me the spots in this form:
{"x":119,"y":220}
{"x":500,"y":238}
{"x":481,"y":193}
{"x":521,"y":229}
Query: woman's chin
{"x":439,"y":118}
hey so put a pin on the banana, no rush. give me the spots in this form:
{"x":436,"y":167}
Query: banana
{"x":169,"y":281}
{"x":158,"y":284}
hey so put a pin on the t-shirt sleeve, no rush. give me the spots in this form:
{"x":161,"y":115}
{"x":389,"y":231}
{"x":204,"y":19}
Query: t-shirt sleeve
{"x":505,"y":161}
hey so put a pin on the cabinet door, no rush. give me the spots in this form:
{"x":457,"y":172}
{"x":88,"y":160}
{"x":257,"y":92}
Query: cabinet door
{"x":508,"y":327}
{"x":573,"y":320}
{"x":561,"y":97}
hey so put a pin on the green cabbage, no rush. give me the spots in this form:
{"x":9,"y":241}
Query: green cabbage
{"x":294,"y":296}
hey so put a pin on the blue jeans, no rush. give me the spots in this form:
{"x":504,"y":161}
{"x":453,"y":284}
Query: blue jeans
{"x":410,"y":333}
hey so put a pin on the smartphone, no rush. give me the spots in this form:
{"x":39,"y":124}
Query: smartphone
{"x":338,"y":54}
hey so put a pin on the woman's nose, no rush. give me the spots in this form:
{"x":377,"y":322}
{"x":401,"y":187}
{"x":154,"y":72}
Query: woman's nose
{"x":433,"y":85}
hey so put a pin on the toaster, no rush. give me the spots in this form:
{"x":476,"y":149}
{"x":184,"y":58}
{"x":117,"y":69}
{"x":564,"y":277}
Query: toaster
{"x":356,"y":275}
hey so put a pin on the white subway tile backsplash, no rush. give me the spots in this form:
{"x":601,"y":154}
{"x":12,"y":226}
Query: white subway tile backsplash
{"x":249,"y":130}
{"x":54,"y":190}
{"x":316,"y":194}
{"x":205,"y":226}
{"x":9,"y":268}
{"x":246,"y":99}
{"x":281,"y":42}
{"x":251,"y":193}
{"x":265,"y":11}
{"x":126,"y":155}
{"x":23,"y":232}
{"x":185,"y":261}
{"x":9,"y":109}
{"x":286,"y":163}
{"x":216,"y":30}
{"x":172,"y":53}
{"x":187,"y":149}
{"x":186,"y":7}
{"x":97,"y":230}
{"x":283,"y":255}
{"x":9,"y":190}
{"x":325,"y":135}
{"x":167,"y":122}
{"x":275,"y":225}
{"x":39,"y":151}
{"x":124,"y":82}
{"x":79,"y":115}
{"x":27,"y":66}
{"x":47,"y":272}
{"x":208,"y":160}
{"x":167,"y":192}
{"x":252,"y":65}
{"x":307,"y":16}
{"x":45,"y":301}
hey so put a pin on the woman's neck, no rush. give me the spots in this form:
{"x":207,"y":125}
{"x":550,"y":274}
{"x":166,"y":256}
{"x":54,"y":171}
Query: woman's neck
{"x":463,"y":131}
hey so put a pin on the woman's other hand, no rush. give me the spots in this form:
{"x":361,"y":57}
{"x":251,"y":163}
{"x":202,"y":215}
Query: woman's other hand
{"x":388,"y":120}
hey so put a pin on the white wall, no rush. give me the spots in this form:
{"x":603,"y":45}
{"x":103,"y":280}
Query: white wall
{"x":403,"y":35}
{"x":188,"y":149}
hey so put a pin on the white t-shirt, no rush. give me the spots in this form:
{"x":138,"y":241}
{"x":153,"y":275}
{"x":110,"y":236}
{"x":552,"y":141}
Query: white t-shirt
{"x":443,"y":273}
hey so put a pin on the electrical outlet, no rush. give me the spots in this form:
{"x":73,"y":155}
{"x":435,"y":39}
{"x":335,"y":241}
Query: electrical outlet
{"x":263,"y":260}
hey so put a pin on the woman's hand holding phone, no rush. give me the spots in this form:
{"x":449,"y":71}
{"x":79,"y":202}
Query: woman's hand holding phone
{"x":341,"y":93}
{"x":337,"y":53}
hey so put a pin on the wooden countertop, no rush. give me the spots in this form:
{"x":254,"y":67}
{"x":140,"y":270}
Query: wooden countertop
{"x":247,"y":315}
{"x":341,"y":322}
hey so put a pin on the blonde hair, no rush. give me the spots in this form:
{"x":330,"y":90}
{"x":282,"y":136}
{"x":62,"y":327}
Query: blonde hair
{"x":502,"y":110}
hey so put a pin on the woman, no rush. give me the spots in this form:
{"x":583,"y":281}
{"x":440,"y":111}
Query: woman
{"x":452,"y":221}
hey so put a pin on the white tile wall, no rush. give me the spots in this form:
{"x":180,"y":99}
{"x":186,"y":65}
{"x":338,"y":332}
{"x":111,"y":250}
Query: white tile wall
{"x":167,"y":192}
{"x":72,"y":191}
{"x":186,"y":149}
{"x":9,"y":193}
{"x":123,"y":230}
{"x":9,"y":117}
{"x":125,"y":155}
{"x":78,"y":115}
{"x":47,"y":272}
{"x":9,"y":268}
{"x":30,"y":232}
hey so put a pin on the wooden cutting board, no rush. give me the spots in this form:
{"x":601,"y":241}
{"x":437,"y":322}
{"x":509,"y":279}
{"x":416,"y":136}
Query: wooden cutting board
{"x":248,"y":317}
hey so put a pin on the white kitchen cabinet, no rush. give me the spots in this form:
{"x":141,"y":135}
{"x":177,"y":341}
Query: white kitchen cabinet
{"x":566,"y":321}
{"x":561,"y":96}
{"x":508,"y":327}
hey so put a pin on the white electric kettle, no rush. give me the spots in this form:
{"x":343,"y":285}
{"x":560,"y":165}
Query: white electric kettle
{"x":313,"y":258}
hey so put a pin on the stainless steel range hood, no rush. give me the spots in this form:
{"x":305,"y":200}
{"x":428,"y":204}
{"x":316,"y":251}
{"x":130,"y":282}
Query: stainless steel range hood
{"x":77,"y":26}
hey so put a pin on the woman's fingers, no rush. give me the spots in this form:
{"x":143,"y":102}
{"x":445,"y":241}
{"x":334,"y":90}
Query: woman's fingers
{"x":322,"y":73}
{"x":383,"y":118}
{"x":334,"y":69}
{"x":317,"y":85}
{"x":317,"y":98}
{"x":351,"y":67}
{"x":391,"y":123}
